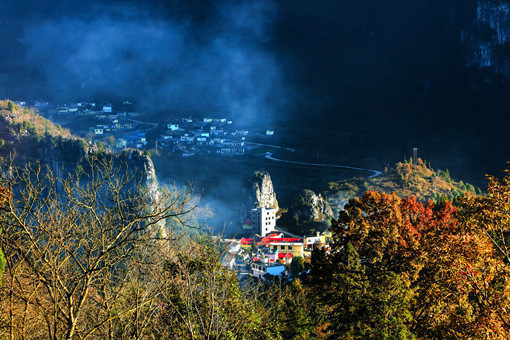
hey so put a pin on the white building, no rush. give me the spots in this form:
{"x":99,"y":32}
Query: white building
{"x":264,"y":220}
{"x":107,"y":108}
{"x":259,"y":269}
{"x":97,"y":130}
{"x":120,"y":143}
{"x":187,"y":138}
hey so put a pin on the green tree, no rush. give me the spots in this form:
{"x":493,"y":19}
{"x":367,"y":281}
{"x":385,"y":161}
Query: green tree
{"x":363,"y":304}
{"x":11,"y":106}
{"x":296,"y":315}
{"x":297,"y":266}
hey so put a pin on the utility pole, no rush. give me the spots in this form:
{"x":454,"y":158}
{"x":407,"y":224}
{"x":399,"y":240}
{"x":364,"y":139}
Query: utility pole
{"x":415,"y":156}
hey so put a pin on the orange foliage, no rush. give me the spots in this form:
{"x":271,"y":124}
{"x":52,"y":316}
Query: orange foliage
{"x":450,"y":260}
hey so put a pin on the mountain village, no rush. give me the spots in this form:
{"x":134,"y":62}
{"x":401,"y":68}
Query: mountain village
{"x":270,"y":251}
{"x":121,"y":127}
{"x":265,"y":251}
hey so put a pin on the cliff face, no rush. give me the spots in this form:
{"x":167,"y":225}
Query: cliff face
{"x":310,"y":212}
{"x":30,"y":138}
{"x":263,"y":190}
{"x":259,"y":192}
{"x":142,"y":165}
{"x":488,"y":40}
{"x":312,"y":207}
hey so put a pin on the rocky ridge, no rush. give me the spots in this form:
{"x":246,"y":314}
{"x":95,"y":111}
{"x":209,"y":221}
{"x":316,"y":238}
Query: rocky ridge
{"x":258,"y":192}
{"x":312,"y":207}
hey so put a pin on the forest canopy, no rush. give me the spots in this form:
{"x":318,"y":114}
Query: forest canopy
{"x":88,"y":256}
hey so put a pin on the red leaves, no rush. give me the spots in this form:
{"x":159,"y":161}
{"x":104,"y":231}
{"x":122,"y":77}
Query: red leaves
{"x":457,"y":260}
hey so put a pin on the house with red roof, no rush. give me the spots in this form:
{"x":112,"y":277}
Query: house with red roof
{"x":293,"y":245}
{"x":286,"y":258}
{"x":246,"y":243}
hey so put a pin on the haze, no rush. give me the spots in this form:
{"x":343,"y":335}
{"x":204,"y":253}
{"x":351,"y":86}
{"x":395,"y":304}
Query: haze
{"x":375,"y":78}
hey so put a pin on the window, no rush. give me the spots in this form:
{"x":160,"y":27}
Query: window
{"x":289,"y":247}
{"x":282,"y":247}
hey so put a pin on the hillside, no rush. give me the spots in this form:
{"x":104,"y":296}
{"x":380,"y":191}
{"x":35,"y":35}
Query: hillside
{"x":29,"y":121}
{"x":31,"y":137}
{"x":405,"y":179}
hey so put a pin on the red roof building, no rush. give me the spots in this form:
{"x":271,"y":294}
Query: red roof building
{"x":246,"y":241}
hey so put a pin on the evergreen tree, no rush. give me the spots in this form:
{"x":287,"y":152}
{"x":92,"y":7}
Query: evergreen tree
{"x":297,"y":266}
{"x":10,"y":106}
{"x":364,"y":304}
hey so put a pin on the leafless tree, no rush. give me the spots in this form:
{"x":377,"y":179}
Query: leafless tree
{"x":202,"y":298}
{"x":78,"y":251}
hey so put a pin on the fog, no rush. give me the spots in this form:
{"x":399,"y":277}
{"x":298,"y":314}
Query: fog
{"x":377,"y":78}
{"x":222,"y":64}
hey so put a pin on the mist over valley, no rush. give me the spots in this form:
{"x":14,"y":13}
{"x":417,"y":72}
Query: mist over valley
{"x":358,"y":85}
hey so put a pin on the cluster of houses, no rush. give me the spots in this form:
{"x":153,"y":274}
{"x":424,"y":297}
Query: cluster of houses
{"x":270,"y":252}
{"x":185,"y":136}
{"x":188,"y":136}
{"x":99,"y":121}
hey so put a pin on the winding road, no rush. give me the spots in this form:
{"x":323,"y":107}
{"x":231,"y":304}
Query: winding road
{"x":376,"y":173}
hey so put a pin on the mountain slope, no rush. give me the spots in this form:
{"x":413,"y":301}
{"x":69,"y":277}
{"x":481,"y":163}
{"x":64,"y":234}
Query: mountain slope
{"x":405,"y":179}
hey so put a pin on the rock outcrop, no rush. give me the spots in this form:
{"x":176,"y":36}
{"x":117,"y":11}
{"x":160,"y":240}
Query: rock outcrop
{"x":259,"y":192}
{"x":262,"y":187}
{"x":311,"y":207}
{"x":309,"y":213}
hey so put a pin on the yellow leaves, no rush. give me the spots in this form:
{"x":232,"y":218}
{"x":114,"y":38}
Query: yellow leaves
{"x":5,"y":195}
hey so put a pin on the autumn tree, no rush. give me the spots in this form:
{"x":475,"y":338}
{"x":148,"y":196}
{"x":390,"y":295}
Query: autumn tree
{"x":76,"y":248}
{"x":201,"y":298}
{"x":366,"y":277}
{"x":439,"y":271}
{"x":488,"y":279}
